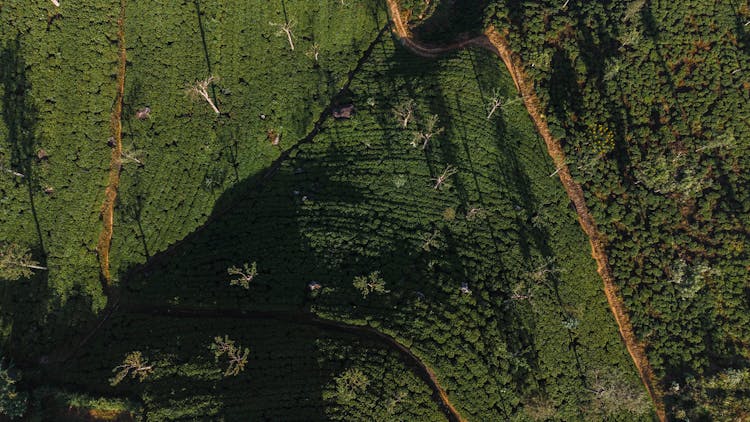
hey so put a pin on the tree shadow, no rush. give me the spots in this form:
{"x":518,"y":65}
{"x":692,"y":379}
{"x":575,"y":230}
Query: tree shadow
{"x":199,"y":15}
{"x":20,"y":117}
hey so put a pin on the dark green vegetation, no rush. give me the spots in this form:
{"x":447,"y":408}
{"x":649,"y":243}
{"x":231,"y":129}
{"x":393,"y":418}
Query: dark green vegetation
{"x":670,"y":79}
{"x":290,"y":375}
{"x":485,"y":274}
{"x":450,"y":20}
{"x":360,"y":198}
{"x":12,"y":402}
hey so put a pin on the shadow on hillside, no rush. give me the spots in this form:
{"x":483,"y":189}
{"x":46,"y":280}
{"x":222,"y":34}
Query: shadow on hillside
{"x":452,"y":20}
{"x":284,"y":377}
{"x":254,"y":221}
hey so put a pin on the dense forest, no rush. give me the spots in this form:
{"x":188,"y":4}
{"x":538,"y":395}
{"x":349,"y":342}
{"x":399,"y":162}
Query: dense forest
{"x":284,"y":211}
{"x":651,"y":100}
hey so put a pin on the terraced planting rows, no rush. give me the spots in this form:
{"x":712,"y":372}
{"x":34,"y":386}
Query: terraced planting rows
{"x":57,"y":69}
{"x":486,"y":279}
{"x":360,"y":199}
{"x":290,"y":375}
{"x":190,"y":155}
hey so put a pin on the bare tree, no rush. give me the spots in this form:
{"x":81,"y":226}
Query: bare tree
{"x":544,"y":267}
{"x":7,"y":170}
{"x":397,"y":398}
{"x":633,"y":9}
{"x":351,"y":383}
{"x":441,"y":180}
{"x":372,"y":283}
{"x":522,"y":291}
{"x":199,"y":89}
{"x":612,"y":393}
{"x":286,"y":29}
{"x":236,"y":354}
{"x":314,"y":52}
{"x":244,"y":275}
{"x":430,"y":240}
{"x":430,"y":130}
{"x":560,"y":167}
{"x":13,"y":172}
{"x":132,"y":155}
{"x":133,"y":364}
{"x":475,"y":213}
{"x":495,"y":103}
{"x":404,"y":112}
{"x":539,"y":408}
{"x":16,"y":262}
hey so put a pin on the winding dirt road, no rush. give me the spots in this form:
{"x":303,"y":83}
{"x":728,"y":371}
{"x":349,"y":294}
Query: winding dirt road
{"x":306,"y":318}
{"x":496,"y":42}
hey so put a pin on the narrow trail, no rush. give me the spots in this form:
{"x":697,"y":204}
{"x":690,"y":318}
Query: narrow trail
{"x":306,"y":318}
{"x":115,"y":166}
{"x":498,"y":44}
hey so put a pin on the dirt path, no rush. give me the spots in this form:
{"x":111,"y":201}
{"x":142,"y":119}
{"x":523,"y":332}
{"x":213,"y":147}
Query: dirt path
{"x":404,"y":35}
{"x":115,"y":166}
{"x":497,"y":43}
{"x":307,"y":318}
{"x":575,"y":193}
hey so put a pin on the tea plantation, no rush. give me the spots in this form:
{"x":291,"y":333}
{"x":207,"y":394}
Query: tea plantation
{"x":360,"y":198}
{"x":312,"y":222}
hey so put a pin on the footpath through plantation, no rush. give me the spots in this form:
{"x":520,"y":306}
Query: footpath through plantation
{"x":110,"y":195}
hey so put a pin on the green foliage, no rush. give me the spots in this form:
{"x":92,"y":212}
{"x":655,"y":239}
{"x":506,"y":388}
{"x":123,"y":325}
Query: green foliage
{"x":133,"y":364}
{"x":602,"y":139}
{"x":719,"y":397}
{"x":12,"y":402}
{"x":56,"y":94}
{"x":350,"y":384}
{"x":236,"y":355}
{"x":331,"y":212}
{"x":244,"y":275}
{"x":16,"y":262}
{"x":49,"y":403}
{"x":289,"y":374}
{"x":368,"y":284}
